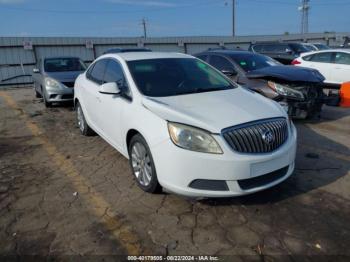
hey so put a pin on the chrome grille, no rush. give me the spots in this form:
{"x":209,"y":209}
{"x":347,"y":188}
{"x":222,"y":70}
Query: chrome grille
{"x":261,"y":136}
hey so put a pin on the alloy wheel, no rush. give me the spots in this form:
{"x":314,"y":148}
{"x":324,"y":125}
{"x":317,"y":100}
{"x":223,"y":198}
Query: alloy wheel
{"x":141,"y":164}
{"x":80,"y":119}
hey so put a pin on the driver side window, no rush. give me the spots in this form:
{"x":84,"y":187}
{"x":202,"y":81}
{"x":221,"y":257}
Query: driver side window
{"x":220,"y":63}
{"x":114,"y":73}
{"x":97,"y":71}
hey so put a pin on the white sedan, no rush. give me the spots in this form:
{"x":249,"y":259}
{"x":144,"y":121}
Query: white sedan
{"x":184,"y":126}
{"x":334,"y":64}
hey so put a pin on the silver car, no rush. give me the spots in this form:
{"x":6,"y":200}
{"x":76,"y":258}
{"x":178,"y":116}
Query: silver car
{"x":54,"y":78}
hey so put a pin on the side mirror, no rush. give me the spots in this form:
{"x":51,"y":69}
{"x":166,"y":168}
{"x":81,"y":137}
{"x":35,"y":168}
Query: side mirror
{"x":36,"y":70}
{"x":110,"y":89}
{"x":229,"y":71}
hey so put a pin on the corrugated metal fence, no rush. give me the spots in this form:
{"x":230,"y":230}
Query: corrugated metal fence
{"x":19,"y":55}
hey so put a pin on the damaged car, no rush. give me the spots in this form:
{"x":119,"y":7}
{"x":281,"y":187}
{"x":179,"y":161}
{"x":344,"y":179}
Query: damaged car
{"x":298,"y":90}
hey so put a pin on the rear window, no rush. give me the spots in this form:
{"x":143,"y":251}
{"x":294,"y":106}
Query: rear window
{"x":63,"y":64}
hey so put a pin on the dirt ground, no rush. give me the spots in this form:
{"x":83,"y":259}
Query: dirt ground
{"x":62,"y":194}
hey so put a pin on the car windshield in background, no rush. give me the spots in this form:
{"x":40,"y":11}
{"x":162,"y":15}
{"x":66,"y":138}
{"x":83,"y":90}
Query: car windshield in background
{"x":64,"y":65}
{"x":322,"y":47}
{"x":176,"y":76}
{"x":251,"y":62}
{"x":310,"y":47}
{"x":299,"y":48}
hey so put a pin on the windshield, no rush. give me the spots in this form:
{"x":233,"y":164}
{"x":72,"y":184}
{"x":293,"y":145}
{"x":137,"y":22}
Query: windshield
{"x":251,"y":62}
{"x":310,"y":47}
{"x":322,"y":47}
{"x":64,"y":65}
{"x":176,"y":76}
{"x":299,"y":48}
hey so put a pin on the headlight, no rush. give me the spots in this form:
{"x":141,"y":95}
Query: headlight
{"x":193,"y":139}
{"x":285,"y":91}
{"x":52,"y":83}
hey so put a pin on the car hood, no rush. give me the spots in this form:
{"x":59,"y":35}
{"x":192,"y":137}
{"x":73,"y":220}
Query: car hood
{"x":288,"y":73}
{"x":68,"y":76}
{"x":214,"y":111}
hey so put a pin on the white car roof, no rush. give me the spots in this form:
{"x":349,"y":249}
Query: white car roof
{"x":344,"y":50}
{"x":131,"y":56}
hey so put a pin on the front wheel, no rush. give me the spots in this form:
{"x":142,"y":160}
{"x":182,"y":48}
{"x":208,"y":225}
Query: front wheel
{"x":47,"y":103}
{"x":142,"y":165}
{"x":85,"y":129}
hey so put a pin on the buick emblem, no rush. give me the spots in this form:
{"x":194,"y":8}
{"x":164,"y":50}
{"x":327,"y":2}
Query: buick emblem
{"x":268,"y":137}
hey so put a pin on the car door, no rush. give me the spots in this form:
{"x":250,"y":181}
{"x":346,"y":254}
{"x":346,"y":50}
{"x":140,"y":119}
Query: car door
{"x":323,"y":63}
{"x":110,"y":107}
{"x":340,"y":72}
{"x":90,"y":95}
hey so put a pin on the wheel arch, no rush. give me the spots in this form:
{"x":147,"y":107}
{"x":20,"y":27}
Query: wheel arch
{"x":76,"y":100}
{"x":129,"y":135}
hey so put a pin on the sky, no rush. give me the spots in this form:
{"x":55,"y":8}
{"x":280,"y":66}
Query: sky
{"x":122,"y":18}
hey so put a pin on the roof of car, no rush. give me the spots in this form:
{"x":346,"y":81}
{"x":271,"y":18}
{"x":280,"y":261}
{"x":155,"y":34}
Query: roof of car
{"x":326,"y":51}
{"x":60,"y":57}
{"x":131,"y":56}
{"x":229,"y":52}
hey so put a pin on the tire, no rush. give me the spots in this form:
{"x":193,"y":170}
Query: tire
{"x":47,"y":104}
{"x":142,"y":165}
{"x":84,"y":128}
{"x":37,"y":94}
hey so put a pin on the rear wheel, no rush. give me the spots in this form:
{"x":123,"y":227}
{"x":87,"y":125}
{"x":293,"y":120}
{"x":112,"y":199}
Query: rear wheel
{"x":85,"y":129}
{"x":142,"y":165}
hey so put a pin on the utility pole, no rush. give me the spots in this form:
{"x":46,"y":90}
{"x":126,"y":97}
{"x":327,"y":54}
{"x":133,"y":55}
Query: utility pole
{"x":233,"y":18}
{"x":304,"y":9}
{"x":144,"y":27}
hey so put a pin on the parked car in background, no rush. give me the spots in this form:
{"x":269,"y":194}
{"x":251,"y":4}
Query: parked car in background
{"x":316,"y":46}
{"x":282,"y":52}
{"x":333,"y":64}
{"x":124,"y":50}
{"x":298,"y":90}
{"x":184,"y":126}
{"x":54,"y":78}
{"x":346,"y":43}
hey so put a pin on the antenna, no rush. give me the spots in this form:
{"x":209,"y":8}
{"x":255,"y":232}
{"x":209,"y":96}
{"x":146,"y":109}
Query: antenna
{"x":304,"y":9}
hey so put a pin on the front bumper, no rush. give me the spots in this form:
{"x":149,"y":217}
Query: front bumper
{"x":59,"y":94}
{"x":309,"y":107}
{"x":178,"y":168}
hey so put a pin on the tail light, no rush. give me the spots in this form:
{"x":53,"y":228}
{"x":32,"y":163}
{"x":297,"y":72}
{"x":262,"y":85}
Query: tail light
{"x":296,"y":62}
